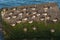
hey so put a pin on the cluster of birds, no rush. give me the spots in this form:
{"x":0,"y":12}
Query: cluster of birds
{"x":29,"y":14}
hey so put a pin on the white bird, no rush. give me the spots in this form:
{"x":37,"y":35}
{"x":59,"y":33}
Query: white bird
{"x":25,"y":29}
{"x":45,"y":14}
{"x":8,"y":18}
{"x":45,"y":9}
{"x":42,"y":19}
{"x":18,"y":21}
{"x":47,"y":18}
{"x":34,"y":28}
{"x":54,"y":20}
{"x":13,"y":24}
{"x":34,"y":12}
{"x":25,"y":19}
{"x":24,"y":9}
{"x":10,"y":13}
{"x":30,"y":21}
{"x":2,"y":13}
{"x":52,"y":30}
{"x":14,"y":16}
{"x":14,"y":8}
{"x":33,"y":16}
{"x":38,"y":14}
{"x":33,"y":8}
{"x":20,"y":14}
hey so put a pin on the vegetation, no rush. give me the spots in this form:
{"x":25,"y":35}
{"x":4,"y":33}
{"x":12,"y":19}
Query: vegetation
{"x":42,"y":30}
